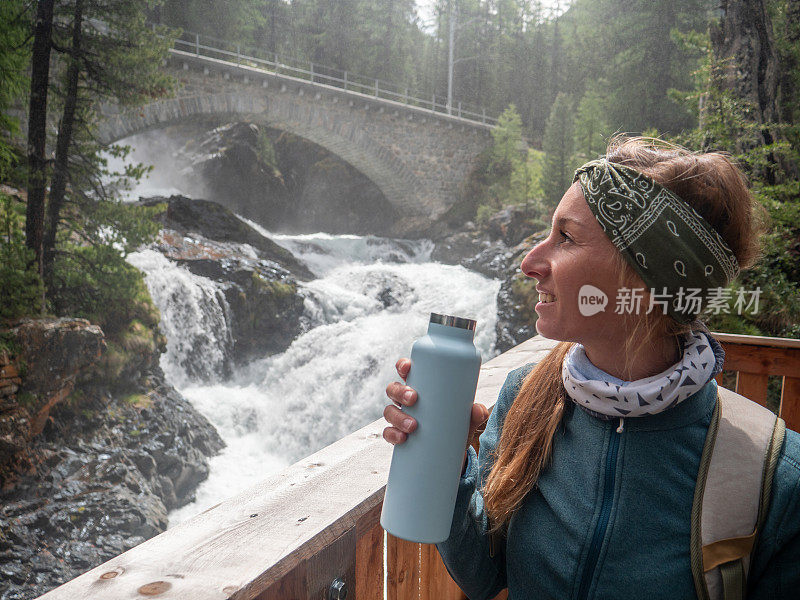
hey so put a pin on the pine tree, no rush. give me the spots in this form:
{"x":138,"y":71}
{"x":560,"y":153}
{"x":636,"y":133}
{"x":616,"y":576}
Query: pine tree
{"x":558,"y":147}
{"x":591,"y":124}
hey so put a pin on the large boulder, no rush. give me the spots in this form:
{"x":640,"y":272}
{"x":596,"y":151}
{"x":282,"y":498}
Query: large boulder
{"x":53,"y":354}
{"x":259,"y":279}
{"x":214,"y":221}
{"x":233,"y":162}
{"x":338,"y":199}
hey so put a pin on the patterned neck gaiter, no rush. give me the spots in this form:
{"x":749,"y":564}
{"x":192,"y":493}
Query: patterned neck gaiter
{"x":600,"y":393}
{"x":672,"y":248}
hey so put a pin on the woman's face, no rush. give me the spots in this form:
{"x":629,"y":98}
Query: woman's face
{"x":576,"y":266}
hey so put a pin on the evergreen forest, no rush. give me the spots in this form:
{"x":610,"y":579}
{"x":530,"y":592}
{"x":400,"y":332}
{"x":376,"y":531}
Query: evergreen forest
{"x":563,"y":79}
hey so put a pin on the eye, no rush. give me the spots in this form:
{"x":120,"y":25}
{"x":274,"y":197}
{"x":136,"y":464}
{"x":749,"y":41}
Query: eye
{"x":564,"y":236}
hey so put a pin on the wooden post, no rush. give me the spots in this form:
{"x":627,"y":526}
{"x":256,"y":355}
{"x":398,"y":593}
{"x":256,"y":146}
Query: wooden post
{"x":790,"y":402}
{"x":197,"y":44}
{"x":752,"y":386}
{"x":369,"y":556}
{"x":435,"y":581}
{"x":403,"y":565}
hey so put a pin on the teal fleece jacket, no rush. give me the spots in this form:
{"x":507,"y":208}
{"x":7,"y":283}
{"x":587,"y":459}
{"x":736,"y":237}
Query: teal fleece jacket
{"x":609,"y":517}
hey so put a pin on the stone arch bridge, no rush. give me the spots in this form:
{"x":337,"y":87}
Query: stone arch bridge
{"x":418,"y":158}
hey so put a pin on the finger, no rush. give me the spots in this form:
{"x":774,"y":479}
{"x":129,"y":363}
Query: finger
{"x":403,"y":366}
{"x":401,"y":394}
{"x":394,"y":436}
{"x":478,"y":417}
{"x":399,"y":419}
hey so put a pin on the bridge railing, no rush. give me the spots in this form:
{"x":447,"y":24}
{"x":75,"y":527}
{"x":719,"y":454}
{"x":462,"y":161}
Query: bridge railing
{"x":313,"y":530}
{"x":208,"y":46}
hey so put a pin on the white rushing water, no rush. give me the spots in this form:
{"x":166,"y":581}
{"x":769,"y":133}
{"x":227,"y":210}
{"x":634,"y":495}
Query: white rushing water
{"x":371,"y":299}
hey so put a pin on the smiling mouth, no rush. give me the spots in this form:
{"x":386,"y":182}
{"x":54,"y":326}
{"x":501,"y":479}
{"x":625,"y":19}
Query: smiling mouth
{"x":546,"y":298}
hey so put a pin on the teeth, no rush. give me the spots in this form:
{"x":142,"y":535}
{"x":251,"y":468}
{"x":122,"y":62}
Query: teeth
{"x":546,"y":298}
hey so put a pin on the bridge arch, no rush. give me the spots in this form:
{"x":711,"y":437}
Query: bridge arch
{"x":400,"y":187}
{"x":418,"y":159}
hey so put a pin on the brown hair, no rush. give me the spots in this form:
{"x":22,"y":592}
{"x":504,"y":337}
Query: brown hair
{"x":715,"y":187}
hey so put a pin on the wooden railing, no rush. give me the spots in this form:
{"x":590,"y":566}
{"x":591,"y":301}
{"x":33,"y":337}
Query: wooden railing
{"x":314,"y":527}
{"x":754,"y":360}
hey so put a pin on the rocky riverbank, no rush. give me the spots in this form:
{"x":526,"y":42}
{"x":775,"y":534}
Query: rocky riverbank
{"x":496,"y":250}
{"x":87,"y":473}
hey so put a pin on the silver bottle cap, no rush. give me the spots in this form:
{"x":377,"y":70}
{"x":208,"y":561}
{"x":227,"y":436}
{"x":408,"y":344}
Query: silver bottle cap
{"x":452,"y":321}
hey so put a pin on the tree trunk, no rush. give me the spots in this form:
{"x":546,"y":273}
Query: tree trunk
{"x":37,"y":129}
{"x":65,"y":128}
{"x":788,"y":100}
{"x":743,"y":40}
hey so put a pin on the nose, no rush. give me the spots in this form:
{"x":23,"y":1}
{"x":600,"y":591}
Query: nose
{"x":535,"y":264}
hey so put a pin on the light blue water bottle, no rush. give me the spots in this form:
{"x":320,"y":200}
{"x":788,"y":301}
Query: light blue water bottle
{"x":425,"y":470}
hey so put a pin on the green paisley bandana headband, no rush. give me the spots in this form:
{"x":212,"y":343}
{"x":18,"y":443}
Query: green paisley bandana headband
{"x":672,"y":248}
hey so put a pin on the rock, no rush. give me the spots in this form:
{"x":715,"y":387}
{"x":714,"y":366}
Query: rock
{"x":231,"y":161}
{"x":512,"y":225}
{"x":516,"y":317}
{"x":54,"y":352}
{"x":53,"y":355}
{"x":109,"y":471}
{"x":338,"y":199}
{"x":216,"y":222}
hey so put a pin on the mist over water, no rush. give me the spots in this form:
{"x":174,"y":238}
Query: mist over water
{"x":370,"y":300}
{"x":170,"y":173}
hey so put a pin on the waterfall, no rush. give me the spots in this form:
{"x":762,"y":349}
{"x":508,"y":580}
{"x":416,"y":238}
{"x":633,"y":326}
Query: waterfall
{"x":194,"y":319}
{"x":370,"y":300}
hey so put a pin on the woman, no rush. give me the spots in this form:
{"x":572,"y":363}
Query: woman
{"x":586,"y":476}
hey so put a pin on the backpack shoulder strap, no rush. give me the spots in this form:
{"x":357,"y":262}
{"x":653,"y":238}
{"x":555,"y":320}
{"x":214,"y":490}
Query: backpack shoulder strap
{"x":732,"y":494}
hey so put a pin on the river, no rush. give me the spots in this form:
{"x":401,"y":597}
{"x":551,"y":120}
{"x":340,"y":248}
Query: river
{"x":369,"y":300}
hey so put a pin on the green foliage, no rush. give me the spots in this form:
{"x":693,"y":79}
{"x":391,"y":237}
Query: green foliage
{"x":591,"y":124}
{"x":559,"y":163}
{"x":14,"y":29}
{"x":20,"y":285}
{"x":266,"y":151}
{"x":96,"y":283}
{"x":728,"y":123}
{"x":508,"y":144}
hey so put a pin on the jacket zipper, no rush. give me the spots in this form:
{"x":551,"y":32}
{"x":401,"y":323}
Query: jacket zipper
{"x":605,"y":514}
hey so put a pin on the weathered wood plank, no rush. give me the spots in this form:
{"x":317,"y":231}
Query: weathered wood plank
{"x":369,"y":556}
{"x":790,"y":402}
{"x":435,"y":581}
{"x":752,"y":386}
{"x":756,"y":340}
{"x":290,"y":587}
{"x":336,"y":560}
{"x":762,"y":360}
{"x":402,"y":569}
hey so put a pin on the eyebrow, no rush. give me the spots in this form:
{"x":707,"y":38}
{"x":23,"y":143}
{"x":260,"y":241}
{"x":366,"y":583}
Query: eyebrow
{"x":561,"y":221}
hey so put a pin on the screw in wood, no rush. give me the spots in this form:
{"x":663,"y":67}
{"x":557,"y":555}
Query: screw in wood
{"x":338,"y":590}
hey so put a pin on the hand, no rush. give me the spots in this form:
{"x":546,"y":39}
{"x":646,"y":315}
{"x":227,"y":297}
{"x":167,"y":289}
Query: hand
{"x":401,"y":424}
